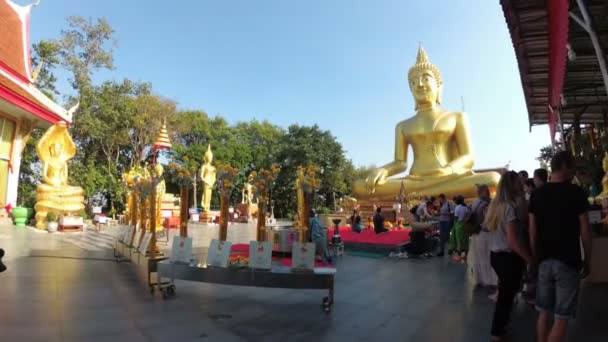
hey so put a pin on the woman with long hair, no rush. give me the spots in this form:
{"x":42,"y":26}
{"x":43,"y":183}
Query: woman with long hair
{"x":508,"y":252}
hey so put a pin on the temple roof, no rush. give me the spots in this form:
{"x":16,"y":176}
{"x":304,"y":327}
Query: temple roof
{"x":15,"y":42}
{"x":16,"y":84}
{"x":543,"y":34}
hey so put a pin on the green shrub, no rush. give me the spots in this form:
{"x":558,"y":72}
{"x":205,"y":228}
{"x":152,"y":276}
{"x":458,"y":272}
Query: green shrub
{"x":324,"y":211}
{"x":51,"y":217}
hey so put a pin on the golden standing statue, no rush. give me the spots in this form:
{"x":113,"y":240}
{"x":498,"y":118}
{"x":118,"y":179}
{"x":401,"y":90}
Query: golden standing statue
{"x":247,"y":193}
{"x":54,"y":149}
{"x":160,"y":192}
{"x":301,"y":205}
{"x":208,"y":175}
{"x":440,"y":140}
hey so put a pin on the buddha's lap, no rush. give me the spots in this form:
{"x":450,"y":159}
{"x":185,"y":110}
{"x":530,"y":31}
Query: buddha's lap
{"x":451,"y":186}
{"x":72,"y":206}
{"x":61,"y":190}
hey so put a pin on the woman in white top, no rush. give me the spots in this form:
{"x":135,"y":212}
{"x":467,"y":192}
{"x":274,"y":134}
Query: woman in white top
{"x":508,"y":252}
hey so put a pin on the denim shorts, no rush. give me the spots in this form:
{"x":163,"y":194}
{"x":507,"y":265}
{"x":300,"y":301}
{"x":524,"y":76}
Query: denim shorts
{"x":557,"y":288}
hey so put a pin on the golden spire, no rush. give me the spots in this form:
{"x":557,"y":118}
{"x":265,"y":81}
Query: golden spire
{"x":209,"y":154}
{"x":423,"y":63}
{"x":162,"y":140}
{"x":37,"y":71}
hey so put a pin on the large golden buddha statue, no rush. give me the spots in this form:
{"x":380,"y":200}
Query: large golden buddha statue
{"x":440,"y":140}
{"x":54,"y":149}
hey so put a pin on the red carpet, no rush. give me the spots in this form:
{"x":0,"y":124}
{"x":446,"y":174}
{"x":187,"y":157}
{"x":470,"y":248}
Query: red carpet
{"x":368,"y":236}
{"x":243,"y":249}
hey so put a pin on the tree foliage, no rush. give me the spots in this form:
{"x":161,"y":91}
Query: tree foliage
{"x":118,"y":121}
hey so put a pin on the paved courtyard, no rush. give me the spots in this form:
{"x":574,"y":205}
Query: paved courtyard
{"x":67,"y":287}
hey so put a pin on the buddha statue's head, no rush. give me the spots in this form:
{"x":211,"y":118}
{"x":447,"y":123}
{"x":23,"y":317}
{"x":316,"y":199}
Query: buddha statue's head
{"x":208,"y":155}
{"x":425,"y":80}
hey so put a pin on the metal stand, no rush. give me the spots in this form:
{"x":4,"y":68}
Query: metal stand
{"x":149,"y":265}
{"x":277,"y":277}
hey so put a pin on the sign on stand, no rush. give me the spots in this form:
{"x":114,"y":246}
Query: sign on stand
{"x":260,"y":255}
{"x":129,"y":237}
{"x":219,"y":251}
{"x":145,"y":242}
{"x":303,"y":256}
{"x":182,"y":250}
{"x":122,"y":233}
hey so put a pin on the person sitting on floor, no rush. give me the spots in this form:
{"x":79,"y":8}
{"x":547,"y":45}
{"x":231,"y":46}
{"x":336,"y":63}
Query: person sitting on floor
{"x":379,"y":222}
{"x":421,"y":242}
{"x":355,"y":222}
{"x":318,"y":236}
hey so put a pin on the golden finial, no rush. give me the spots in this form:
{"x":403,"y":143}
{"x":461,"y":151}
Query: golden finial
{"x":423,"y":63}
{"x":162,"y":140}
{"x":208,"y":154}
{"x":37,"y":71}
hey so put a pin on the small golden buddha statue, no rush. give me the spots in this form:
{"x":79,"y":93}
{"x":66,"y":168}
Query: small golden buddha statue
{"x":247,"y":193}
{"x":604,"y":193}
{"x":54,"y":149}
{"x":208,"y":175}
{"x":160,"y":192}
{"x":440,"y":140}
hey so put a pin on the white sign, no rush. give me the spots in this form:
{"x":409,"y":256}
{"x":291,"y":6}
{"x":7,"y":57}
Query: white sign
{"x":130,"y":236}
{"x":595,"y":216}
{"x":219,"y":251}
{"x":303,"y":256}
{"x":145,"y":242}
{"x":122,"y":233}
{"x":182,"y":250}
{"x":96,"y":210}
{"x":260,"y":255}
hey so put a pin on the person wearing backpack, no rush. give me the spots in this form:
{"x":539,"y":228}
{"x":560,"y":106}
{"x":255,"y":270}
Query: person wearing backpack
{"x":479,"y":248}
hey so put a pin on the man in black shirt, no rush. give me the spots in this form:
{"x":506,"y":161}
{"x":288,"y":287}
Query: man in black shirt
{"x":558,"y":222}
{"x":379,"y":222}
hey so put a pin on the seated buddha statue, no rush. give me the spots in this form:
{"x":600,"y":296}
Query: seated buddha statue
{"x":54,"y":149}
{"x":441,"y":144}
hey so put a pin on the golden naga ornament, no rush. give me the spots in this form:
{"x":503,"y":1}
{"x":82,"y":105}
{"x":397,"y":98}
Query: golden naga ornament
{"x":441,"y":142}
{"x":54,"y":149}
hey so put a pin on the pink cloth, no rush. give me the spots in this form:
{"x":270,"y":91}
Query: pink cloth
{"x":368,"y":236}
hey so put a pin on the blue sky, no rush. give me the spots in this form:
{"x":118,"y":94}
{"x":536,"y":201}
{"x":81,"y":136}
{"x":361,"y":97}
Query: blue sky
{"x":341,"y":64}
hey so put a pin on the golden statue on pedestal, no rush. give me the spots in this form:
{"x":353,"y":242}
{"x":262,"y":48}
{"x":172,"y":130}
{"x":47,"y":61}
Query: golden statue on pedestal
{"x":440,"y":140}
{"x":208,"y":175}
{"x":160,"y":192}
{"x":247,"y":193}
{"x":54,"y":149}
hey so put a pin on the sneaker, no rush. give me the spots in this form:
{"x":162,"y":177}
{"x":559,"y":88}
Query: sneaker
{"x":404,"y":256}
{"x":395,"y":255}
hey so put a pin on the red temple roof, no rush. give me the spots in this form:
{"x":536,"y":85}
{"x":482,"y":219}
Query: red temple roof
{"x":15,"y":43}
{"x":16,"y":84}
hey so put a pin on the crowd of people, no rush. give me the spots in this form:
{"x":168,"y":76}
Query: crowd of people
{"x":527,"y":239}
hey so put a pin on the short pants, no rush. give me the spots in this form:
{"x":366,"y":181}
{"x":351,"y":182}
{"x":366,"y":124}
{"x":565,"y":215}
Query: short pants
{"x":557,"y":288}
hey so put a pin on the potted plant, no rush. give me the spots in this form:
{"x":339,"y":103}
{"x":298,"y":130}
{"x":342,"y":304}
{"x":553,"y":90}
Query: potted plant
{"x":52,"y":222}
{"x":20,"y":216}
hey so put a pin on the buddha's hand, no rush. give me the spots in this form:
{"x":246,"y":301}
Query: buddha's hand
{"x":377,"y":178}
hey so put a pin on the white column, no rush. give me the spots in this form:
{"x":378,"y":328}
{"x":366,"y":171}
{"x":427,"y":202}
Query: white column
{"x":13,"y":176}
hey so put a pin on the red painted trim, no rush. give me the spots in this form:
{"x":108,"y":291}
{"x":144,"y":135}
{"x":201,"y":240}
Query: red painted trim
{"x":558,"y":39}
{"x":28,"y":105}
{"x":14,"y":73}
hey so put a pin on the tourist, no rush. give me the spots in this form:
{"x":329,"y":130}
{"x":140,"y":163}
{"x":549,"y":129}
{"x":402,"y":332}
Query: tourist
{"x":529,"y":186}
{"x":479,"y":249}
{"x":445,"y":223}
{"x":2,"y":265}
{"x":459,"y":237}
{"x":370,"y":222}
{"x":540,"y":177}
{"x":558,"y":224}
{"x":355,"y":222}
{"x":379,"y":222}
{"x":318,"y":236}
{"x":422,"y":212}
{"x":508,"y":252}
{"x":523,"y":176}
